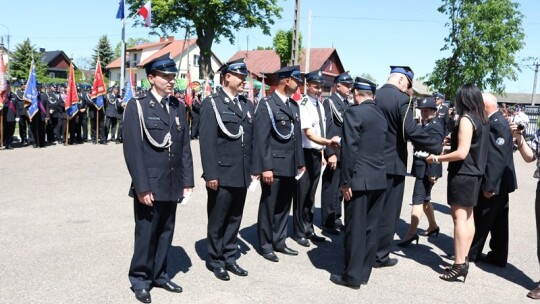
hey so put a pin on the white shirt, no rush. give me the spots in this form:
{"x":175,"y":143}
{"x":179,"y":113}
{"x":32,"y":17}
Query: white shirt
{"x":309,"y":119}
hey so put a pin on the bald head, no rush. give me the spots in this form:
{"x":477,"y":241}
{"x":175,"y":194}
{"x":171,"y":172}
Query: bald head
{"x":490,"y":103}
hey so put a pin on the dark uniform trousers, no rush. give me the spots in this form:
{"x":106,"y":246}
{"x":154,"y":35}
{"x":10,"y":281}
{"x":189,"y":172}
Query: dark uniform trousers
{"x":23,"y":118}
{"x":394,"y":105}
{"x":195,"y":118}
{"x":304,"y":202}
{"x":9,"y":112}
{"x":283,"y":157}
{"x":227,"y":160}
{"x":97,"y":117}
{"x":491,"y":214}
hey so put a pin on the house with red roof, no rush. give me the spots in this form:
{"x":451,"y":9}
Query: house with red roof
{"x":184,"y":52}
{"x":263,"y":63}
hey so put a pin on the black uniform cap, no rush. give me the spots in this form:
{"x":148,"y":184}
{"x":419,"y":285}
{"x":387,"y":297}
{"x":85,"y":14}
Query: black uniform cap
{"x":290,"y":71}
{"x":364,"y":84}
{"x":163,"y":63}
{"x":315,"y":77}
{"x":428,"y":102}
{"x":438,"y":95}
{"x":405,"y":70}
{"x":237,"y":66}
{"x":343,"y":78}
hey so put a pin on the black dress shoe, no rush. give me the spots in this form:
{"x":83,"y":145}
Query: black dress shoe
{"x":388,"y":263}
{"x":171,"y":287}
{"x":302,"y":242}
{"x":287,"y":251}
{"x":237,"y":270}
{"x":489,"y":259}
{"x":315,"y":238}
{"x":330,"y":230}
{"x":337,"y":279}
{"x":143,"y":295}
{"x":271,"y":257}
{"x":221,"y":273}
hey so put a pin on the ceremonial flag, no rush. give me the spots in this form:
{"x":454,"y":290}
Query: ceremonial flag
{"x":146,"y":13}
{"x":207,"y":88}
{"x":250,"y":96}
{"x":120,"y":13}
{"x":98,"y":87}
{"x":129,"y":89}
{"x":262,"y":91}
{"x":72,"y":97}
{"x":31,"y":93}
{"x":189,"y":92}
{"x":3,"y":81}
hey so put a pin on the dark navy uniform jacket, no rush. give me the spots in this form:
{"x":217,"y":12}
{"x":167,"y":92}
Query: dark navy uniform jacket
{"x":333,"y":123}
{"x":362,"y":140}
{"x":270,"y":151}
{"x":10,"y":108}
{"x":112,"y":105}
{"x":500,"y":175}
{"x":21,"y":106}
{"x":420,"y":167}
{"x":164,"y":171}
{"x":226,"y":159}
{"x":395,"y":107}
{"x":444,"y":118}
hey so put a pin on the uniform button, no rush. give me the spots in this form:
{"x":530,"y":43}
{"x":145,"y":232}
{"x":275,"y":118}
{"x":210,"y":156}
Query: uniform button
{"x":172,"y":168}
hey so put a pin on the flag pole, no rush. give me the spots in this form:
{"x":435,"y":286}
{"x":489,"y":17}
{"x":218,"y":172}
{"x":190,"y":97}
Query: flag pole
{"x":123,"y":56}
{"x":97,"y":126}
{"x":2,"y":129}
{"x":67,"y":130}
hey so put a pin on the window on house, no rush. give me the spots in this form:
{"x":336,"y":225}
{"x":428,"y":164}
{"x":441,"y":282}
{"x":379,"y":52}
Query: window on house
{"x":183,"y":75}
{"x":51,"y":75}
{"x":196,"y":60}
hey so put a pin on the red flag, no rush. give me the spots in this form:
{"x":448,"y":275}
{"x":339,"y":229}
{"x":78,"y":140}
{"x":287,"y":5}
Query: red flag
{"x":71,"y":94}
{"x":189,"y":93}
{"x":146,"y":13}
{"x":262,"y":92}
{"x":98,"y":87}
{"x":250,"y":89}
{"x":207,"y":88}
{"x":3,"y":81}
{"x":297,"y":96}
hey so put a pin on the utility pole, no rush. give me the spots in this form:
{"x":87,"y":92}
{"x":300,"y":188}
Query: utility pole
{"x":296,"y":34}
{"x":534,"y":85}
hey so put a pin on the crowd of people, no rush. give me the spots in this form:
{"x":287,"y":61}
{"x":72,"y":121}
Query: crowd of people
{"x":286,"y":147}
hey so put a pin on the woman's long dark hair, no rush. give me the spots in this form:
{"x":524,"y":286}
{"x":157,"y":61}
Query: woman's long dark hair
{"x":469,"y":100}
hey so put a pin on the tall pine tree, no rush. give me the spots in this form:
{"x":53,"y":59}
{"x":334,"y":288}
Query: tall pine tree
{"x":105,"y":53}
{"x":21,"y":61}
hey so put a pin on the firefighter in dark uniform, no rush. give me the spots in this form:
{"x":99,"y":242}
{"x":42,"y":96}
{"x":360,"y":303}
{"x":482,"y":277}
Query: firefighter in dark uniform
{"x":21,"y":112}
{"x":51,"y":97}
{"x":397,"y":109}
{"x":196,"y":106}
{"x":9,"y":112}
{"x":83,"y":116}
{"x":491,"y":212}
{"x":158,"y":158}
{"x":442,"y":112}
{"x":226,"y":141}
{"x":111,"y":111}
{"x":363,"y":181}
{"x":120,"y":107}
{"x":331,"y":196}
{"x":37,"y":123}
{"x":313,"y":124}
{"x":97,"y":119}
{"x":278,"y":157}
{"x":60,"y":129}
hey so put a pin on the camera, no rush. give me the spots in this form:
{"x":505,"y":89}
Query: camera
{"x":521,"y":126}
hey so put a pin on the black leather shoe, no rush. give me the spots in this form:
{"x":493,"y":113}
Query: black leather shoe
{"x":388,"y":263}
{"x":237,"y":270}
{"x":491,"y":260}
{"x":271,"y":257}
{"x":287,"y":251}
{"x":171,"y":287}
{"x":143,"y":295}
{"x":302,"y":242}
{"x":337,"y":279}
{"x":221,"y":273}
{"x":315,"y":238}
{"x":330,"y":230}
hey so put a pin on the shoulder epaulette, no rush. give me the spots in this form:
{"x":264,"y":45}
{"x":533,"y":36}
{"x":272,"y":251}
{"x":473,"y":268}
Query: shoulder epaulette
{"x":304,"y":101}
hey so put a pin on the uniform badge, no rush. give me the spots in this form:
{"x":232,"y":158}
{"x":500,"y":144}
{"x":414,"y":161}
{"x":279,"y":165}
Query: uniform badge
{"x":313,"y":125}
{"x":297,"y":118}
{"x":283,"y":122}
{"x":500,"y":141}
{"x":152,"y":103}
{"x":227,"y":100}
{"x":249,"y":117}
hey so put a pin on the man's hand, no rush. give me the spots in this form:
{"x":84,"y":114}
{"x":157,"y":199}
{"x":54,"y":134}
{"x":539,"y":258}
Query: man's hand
{"x":268,"y":177}
{"x":432,"y":179}
{"x":347,"y":192}
{"x":332,"y":162}
{"x":146,"y":198}
{"x":488,"y":194}
{"x":187,"y":190}
{"x":212,"y":184}
{"x":335,"y":142}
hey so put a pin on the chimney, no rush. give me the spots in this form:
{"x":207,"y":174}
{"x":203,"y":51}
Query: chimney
{"x":161,"y":39}
{"x":42,"y":50}
{"x":171,"y":38}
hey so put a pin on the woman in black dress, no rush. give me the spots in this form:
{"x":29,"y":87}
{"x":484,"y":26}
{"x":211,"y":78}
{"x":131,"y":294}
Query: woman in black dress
{"x":467,"y":162}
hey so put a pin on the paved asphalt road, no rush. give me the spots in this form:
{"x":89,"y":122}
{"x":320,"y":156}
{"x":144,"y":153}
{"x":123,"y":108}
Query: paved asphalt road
{"x":66,"y":236}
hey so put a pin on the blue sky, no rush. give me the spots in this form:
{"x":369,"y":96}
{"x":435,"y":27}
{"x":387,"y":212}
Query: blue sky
{"x":369,"y":36}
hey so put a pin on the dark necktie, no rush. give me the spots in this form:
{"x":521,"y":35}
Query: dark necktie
{"x":237,"y":103}
{"x":164,"y":104}
{"x":320,"y":119}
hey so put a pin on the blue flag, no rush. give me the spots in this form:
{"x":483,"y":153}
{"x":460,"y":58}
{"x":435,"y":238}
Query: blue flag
{"x":72,"y":110}
{"x":129,"y":92}
{"x":120,"y":13}
{"x":98,"y":102}
{"x":31,"y":93}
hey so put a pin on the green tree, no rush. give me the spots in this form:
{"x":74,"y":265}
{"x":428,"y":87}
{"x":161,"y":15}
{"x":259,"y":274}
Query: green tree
{"x":283,"y":42}
{"x":209,"y":20}
{"x":105,"y":53}
{"x":484,"y":37}
{"x":21,"y":61}
{"x":131,"y":42}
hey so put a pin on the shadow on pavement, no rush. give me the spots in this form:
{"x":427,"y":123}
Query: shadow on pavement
{"x":509,"y":273}
{"x":178,"y":261}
